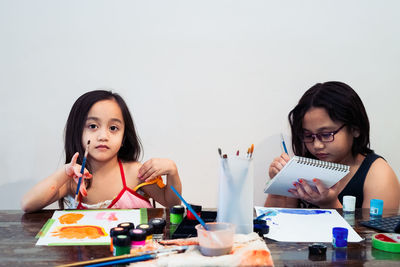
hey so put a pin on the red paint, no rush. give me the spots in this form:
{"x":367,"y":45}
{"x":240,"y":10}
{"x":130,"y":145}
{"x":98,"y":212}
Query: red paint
{"x":385,"y":238}
{"x":190,"y":215}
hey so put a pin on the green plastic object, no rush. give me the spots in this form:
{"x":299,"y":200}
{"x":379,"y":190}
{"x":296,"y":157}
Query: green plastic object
{"x":121,"y":244}
{"x":176,"y":218}
{"x":387,"y":242}
{"x":176,"y":214}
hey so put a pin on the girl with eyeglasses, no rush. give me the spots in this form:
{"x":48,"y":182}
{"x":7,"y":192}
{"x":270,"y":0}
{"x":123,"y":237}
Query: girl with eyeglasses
{"x":330,"y":123}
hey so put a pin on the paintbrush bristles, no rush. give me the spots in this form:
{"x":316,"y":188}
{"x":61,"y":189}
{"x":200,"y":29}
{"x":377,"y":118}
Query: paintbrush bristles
{"x":87,"y":148}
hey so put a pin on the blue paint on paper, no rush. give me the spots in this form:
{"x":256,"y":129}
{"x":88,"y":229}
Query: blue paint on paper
{"x":267,"y":213}
{"x":304,"y":212}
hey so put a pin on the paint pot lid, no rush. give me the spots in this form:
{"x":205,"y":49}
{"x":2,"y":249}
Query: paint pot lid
{"x":127,"y":225}
{"x":317,"y":249}
{"x":118,"y":231}
{"x":146,"y":227}
{"x":196,"y":208}
{"x":158,"y":224}
{"x":178,"y":209}
{"x":121,"y":240}
{"x":260,"y":227}
{"x":137,"y":234}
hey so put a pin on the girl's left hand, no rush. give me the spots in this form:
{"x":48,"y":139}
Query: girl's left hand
{"x":155,"y":167}
{"x":321,"y":196}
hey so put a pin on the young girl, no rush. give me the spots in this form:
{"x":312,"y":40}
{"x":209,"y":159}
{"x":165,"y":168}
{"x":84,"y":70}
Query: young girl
{"x":115,"y":178}
{"x":330,"y":123}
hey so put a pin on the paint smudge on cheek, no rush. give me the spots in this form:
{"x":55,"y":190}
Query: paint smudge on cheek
{"x":80,"y":232}
{"x":70,"y":218}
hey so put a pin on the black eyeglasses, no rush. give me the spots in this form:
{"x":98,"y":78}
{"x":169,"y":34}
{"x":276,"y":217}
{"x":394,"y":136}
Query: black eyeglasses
{"x":323,"y":137}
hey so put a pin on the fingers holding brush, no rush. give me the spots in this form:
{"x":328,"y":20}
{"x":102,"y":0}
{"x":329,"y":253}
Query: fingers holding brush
{"x":73,"y":169}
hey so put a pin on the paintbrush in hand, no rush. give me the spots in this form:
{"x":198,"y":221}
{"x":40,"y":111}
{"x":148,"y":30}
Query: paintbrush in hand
{"x":82,"y":171}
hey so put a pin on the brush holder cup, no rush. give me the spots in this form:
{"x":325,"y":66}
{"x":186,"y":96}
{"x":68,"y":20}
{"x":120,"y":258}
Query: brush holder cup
{"x":235,"y":193}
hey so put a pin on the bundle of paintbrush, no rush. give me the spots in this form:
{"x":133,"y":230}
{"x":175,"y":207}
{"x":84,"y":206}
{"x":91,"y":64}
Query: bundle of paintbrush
{"x":129,"y":258}
{"x":249,"y":154}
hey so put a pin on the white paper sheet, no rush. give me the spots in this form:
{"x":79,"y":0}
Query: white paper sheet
{"x":92,"y":227}
{"x":304,"y":225}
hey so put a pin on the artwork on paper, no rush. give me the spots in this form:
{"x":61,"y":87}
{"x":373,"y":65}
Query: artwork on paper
{"x":83,"y":227}
{"x":304,"y":225}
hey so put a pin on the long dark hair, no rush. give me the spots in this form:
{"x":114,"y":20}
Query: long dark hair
{"x":131,"y":149}
{"x":342,"y":104}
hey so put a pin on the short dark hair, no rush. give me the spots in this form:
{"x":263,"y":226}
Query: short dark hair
{"x":131,"y":149}
{"x":342,"y":104}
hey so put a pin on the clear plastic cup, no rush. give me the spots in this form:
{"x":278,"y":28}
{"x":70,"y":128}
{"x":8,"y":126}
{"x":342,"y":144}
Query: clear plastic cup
{"x":218,"y":240}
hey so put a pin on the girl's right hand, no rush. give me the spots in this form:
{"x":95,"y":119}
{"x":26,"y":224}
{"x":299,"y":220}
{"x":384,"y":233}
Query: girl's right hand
{"x":73,"y":170}
{"x":278,"y":164}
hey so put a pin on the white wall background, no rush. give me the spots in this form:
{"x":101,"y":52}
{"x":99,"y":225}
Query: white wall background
{"x":196,"y":75}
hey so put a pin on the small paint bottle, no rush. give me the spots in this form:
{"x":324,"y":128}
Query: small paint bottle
{"x":349,"y":204}
{"x":176,"y":214}
{"x":114,"y":232}
{"x":127,"y":225}
{"x":122,"y":245}
{"x":339,"y":239}
{"x":138,"y":237}
{"x":376,"y":207}
{"x":158,"y":226}
{"x":196,"y":209}
{"x":148,"y":228}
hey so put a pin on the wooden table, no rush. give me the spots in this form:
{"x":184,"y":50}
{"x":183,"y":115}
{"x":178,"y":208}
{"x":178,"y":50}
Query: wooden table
{"x":18,"y":231}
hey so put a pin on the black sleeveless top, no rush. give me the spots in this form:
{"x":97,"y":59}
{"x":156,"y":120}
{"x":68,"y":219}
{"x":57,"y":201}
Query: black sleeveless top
{"x":356,"y":185}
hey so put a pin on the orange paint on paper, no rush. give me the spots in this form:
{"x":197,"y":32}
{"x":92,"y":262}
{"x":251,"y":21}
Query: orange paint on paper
{"x":257,"y":258}
{"x":70,"y":218}
{"x":80,"y":232}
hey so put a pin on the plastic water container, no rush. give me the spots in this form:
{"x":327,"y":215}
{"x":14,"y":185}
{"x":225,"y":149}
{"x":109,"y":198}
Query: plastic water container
{"x":235,"y":194}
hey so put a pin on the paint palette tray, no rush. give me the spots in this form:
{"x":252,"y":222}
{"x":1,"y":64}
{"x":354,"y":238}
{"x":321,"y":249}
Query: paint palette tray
{"x":386,"y":225}
{"x":186,"y":227}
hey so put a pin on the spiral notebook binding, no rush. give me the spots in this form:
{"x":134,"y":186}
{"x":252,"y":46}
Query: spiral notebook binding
{"x":323,"y":164}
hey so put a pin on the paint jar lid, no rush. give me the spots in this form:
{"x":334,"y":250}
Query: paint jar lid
{"x":376,"y":202}
{"x":118,"y":231}
{"x":158,"y":224}
{"x":260,"y":227}
{"x":137,"y":234}
{"x":178,"y":209}
{"x":146,"y":227}
{"x":317,"y":249}
{"x":121,"y":240}
{"x":339,"y":237}
{"x":127,"y":225}
{"x":196,"y":208}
